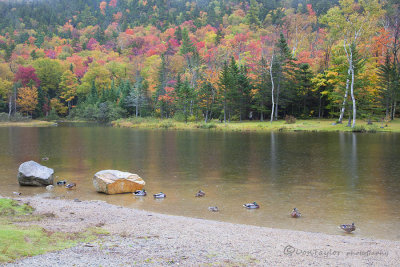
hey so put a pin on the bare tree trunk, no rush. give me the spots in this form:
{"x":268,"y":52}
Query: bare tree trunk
{"x":345,"y":98}
{"x":225,"y":109}
{"x":137,"y":104}
{"x":394,"y":110}
{"x":277,"y":99}
{"x":10,"y":107}
{"x":387,"y":106}
{"x":352,"y":89}
{"x":272,"y":90}
{"x":15,"y":100}
{"x":319,"y":108}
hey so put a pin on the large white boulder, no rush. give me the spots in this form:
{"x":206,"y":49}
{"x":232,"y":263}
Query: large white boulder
{"x":116,"y":182}
{"x":32,"y":173}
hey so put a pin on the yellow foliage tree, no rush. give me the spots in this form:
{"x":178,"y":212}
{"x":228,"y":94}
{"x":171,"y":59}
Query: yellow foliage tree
{"x":5,"y":88}
{"x":68,"y":86}
{"x":27,"y":99}
{"x":101,"y":77}
{"x":58,"y":106}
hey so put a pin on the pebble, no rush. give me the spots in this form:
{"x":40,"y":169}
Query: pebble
{"x":50,"y":187}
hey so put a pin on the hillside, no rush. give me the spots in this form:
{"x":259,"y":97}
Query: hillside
{"x":200,"y":60}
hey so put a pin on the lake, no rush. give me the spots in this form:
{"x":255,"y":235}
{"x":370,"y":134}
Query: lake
{"x":332,"y":178}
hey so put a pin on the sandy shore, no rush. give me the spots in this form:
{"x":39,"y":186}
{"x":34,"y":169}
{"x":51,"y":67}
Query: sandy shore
{"x":143,"y":238}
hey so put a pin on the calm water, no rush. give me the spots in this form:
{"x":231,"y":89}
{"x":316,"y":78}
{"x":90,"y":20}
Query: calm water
{"x":332,"y":178}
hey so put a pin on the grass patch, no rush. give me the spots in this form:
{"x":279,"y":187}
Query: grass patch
{"x":311,"y":125}
{"x":9,"y":207}
{"x":32,"y":123}
{"x":21,"y":241}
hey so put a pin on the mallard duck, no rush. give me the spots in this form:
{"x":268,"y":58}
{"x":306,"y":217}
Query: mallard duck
{"x":295,"y":213}
{"x":63,"y":182}
{"x":213,"y":209}
{"x":140,"y":192}
{"x":253,"y":205}
{"x":200,"y":194}
{"x":45,"y":159}
{"x":70,"y":185}
{"x":160,"y":195}
{"x":348,"y":228}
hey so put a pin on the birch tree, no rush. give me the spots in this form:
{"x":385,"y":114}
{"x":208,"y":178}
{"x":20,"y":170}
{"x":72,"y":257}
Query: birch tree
{"x":351,"y":23}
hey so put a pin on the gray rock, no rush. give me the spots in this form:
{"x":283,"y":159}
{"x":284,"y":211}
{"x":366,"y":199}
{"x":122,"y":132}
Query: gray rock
{"x":50,"y":187}
{"x":32,"y":173}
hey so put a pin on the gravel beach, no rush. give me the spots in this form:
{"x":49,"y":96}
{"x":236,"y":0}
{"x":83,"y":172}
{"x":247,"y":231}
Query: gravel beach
{"x":142,"y":238}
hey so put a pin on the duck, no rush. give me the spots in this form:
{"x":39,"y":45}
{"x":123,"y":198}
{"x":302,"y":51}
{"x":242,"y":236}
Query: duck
{"x":63,"y":182}
{"x":140,"y":192}
{"x":45,"y":159}
{"x":253,"y":205}
{"x":348,"y":228}
{"x":295,"y":213}
{"x":160,"y":195}
{"x":70,"y":185}
{"x":200,"y":193}
{"x":213,"y":209}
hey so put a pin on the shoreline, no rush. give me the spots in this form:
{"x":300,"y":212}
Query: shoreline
{"x":139,"y":237}
{"x":32,"y":123}
{"x":311,"y":125}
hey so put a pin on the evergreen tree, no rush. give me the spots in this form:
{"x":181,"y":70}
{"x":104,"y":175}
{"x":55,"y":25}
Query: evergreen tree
{"x":303,"y":79}
{"x":263,"y":86}
{"x":178,"y":33}
{"x":252,"y":17}
{"x":282,"y":71}
{"x":207,"y":98}
{"x":184,"y":96}
{"x":137,"y":97}
{"x":244,"y":88}
{"x":41,"y":102}
{"x":93,"y":96}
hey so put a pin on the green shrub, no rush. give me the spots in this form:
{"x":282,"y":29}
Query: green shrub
{"x":179,"y":116}
{"x":52,"y":115}
{"x":166,"y":124}
{"x":107,"y":112}
{"x":103,"y":112}
{"x":372,"y":128}
{"x":290,"y":119}
{"x":209,"y":125}
{"x":3,"y":117}
{"x":19,"y":117}
{"x":358,"y":129}
{"x":192,"y":118}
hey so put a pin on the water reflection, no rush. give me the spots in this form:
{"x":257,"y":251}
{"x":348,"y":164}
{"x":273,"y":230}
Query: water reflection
{"x":332,"y":178}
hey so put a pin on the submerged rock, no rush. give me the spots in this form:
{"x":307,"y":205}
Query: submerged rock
{"x":32,"y":173}
{"x":50,"y":187}
{"x":116,"y":182}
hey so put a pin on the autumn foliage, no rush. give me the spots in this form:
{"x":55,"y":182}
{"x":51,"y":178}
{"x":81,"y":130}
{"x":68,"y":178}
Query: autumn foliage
{"x":103,"y":51}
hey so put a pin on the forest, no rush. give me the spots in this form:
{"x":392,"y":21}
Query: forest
{"x":200,"y":60}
